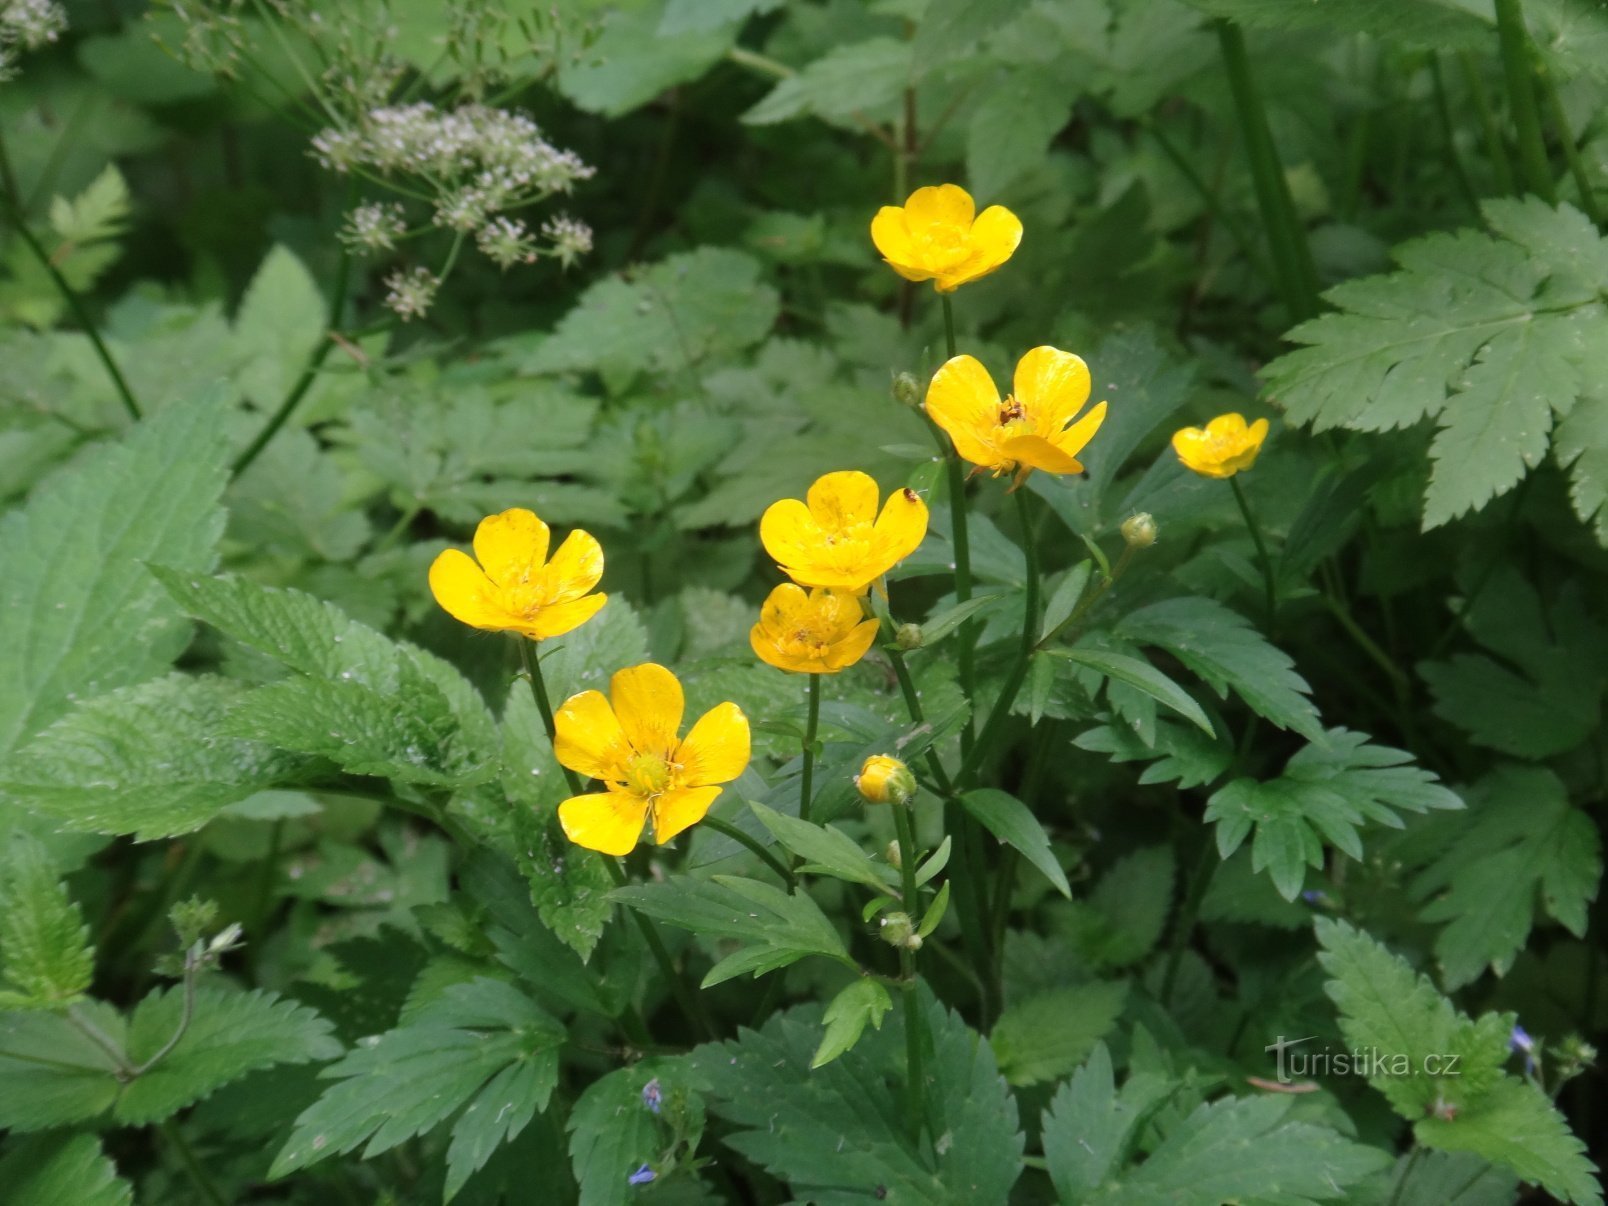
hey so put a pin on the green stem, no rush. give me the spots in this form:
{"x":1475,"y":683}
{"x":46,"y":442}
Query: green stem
{"x":191,"y":972}
{"x":915,"y":1076}
{"x":806,"y":783}
{"x":1187,"y":914}
{"x":125,"y":1070}
{"x":1516,"y":52}
{"x":538,"y":690}
{"x":1266,"y":562}
{"x":1443,"y":112}
{"x":80,"y":311}
{"x":1087,"y":603}
{"x":1030,"y":610}
{"x":1208,"y":197}
{"x":961,"y":537}
{"x":690,"y":1005}
{"x":1292,"y":258}
{"x":309,"y":374}
{"x":192,"y":1166}
{"x":1571,"y":152}
{"x":1495,"y":146}
{"x":753,"y":846}
{"x":907,"y":687}
{"x":1366,"y":643}
{"x":1401,"y":1182}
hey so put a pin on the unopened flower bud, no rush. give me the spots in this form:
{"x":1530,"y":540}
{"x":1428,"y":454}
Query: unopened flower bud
{"x":908,"y":637}
{"x":899,"y":930}
{"x":894,"y":855}
{"x":1139,"y":530}
{"x":885,"y":780}
{"x":906,"y":389}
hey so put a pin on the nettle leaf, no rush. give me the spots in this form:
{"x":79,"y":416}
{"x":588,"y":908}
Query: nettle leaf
{"x":1491,"y":335}
{"x":1046,"y":1036}
{"x":666,"y":319}
{"x":147,"y":760}
{"x":1397,"y":1015}
{"x":1325,"y":794}
{"x":46,"y":961}
{"x":230,"y":1034}
{"x":1227,"y":653}
{"x":482,"y":1048}
{"x":614,"y":1131}
{"x":77,"y":1083}
{"x":847,"y":85}
{"x":62,"y":1168}
{"x":1539,"y":691}
{"x":1520,"y":846}
{"x":837,"y":1133}
{"x":780,"y":927}
{"x":82,"y":613}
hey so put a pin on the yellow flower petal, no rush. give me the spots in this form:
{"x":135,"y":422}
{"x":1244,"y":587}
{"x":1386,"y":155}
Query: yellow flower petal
{"x":588,"y":738}
{"x":676,"y":810}
{"x":940,"y":205}
{"x":853,"y":647}
{"x":789,"y":532}
{"x":1225,"y":447}
{"x":995,"y":236}
{"x":560,"y":618}
{"x":464,"y":591}
{"x":890,"y":234}
{"x":648,"y":702}
{"x":963,"y":400}
{"x":843,"y":499}
{"x":1053,"y":385}
{"x":716,"y":750}
{"x":1072,"y":440}
{"x":609,"y":822}
{"x":575,"y":567}
{"x":1036,"y":452}
{"x":900,"y":528}
{"x":512,"y":546}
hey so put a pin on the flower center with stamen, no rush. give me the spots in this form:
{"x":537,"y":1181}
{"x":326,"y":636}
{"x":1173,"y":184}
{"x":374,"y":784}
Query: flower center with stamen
{"x":648,"y":774}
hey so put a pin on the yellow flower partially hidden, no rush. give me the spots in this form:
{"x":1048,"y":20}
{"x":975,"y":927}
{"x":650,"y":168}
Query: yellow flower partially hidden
{"x":935,"y":236}
{"x":837,"y":538}
{"x":1029,"y":429}
{"x":628,"y":740}
{"x":1225,"y":447}
{"x":516,"y":588}
{"x":812,"y":632}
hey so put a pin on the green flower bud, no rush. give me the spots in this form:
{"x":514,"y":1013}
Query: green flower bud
{"x":908,"y":637}
{"x":906,"y":389}
{"x":899,"y":930}
{"x":1139,"y":530}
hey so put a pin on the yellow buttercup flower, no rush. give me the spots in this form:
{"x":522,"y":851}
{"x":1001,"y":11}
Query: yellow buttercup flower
{"x":1226,"y":446}
{"x":938,"y":236}
{"x":818,"y":631}
{"x":628,"y":740}
{"x":885,"y":780}
{"x":516,"y":588}
{"x":1028,"y":429}
{"x":837,"y":538}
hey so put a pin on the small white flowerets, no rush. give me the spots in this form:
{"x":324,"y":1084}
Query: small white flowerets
{"x":374,"y":227}
{"x":571,"y":239}
{"x":29,"y":24}
{"x":410,"y":294}
{"x":506,"y":242}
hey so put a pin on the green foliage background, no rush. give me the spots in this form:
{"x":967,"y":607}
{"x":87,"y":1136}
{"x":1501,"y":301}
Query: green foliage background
{"x":1373,"y":817}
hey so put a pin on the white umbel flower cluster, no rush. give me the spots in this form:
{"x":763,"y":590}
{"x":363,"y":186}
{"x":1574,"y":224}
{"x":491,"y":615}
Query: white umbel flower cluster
{"x":27,"y":25}
{"x":410,"y":294}
{"x":374,"y":227}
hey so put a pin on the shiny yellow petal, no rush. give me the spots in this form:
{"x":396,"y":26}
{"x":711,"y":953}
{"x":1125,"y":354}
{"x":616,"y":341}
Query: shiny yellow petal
{"x":575,"y":568}
{"x":843,"y":499}
{"x":676,"y":810}
{"x":853,"y":647}
{"x":900,"y":528}
{"x":941,"y":205}
{"x":512,"y":546}
{"x":890,"y":233}
{"x":789,"y":532}
{"x":588,"y":738}
{"x":1053,"y":385}
{"x":716,"y":750}
{"x":963,"y":401}
{"x":465,"y":592}
{"x":762,"y":641}
{"x":649,"y":702}
{"x":1074,"y":438}
{"x":609,"y":822}
{"x":559,"y":618}
{"x":1038,"y":453}
{"x":783,"y":605}
{"x":996,"y":235}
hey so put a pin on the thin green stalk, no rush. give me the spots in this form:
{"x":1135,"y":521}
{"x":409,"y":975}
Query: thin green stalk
{"x":1298,"y":277}
{"x":688,"y":1000}
{"x":806,"y":782}
{"x":1495,"y":145}
{"x":1030,"y":609}
{"x":1098,"y":592}
{"x":1266,"y":562}
{"x":192,"y":1167}
{"x":1208,"y":196}
{"x":1366,"y":643}
{"x":119,"y":1058}
{"x":753,"y":846}
{"x":1401,"y":1182}
{"x":1188,"y":912}
{"x":298,"y":391}
{"x":1443,"y":112}
{"x":77,"y":306}
{"x":907,"y":687}
{"x":961,"y":538}
{"x":192,"y":970}
{"x":1571,"y":151}
{"x":538,"y":690}
{"x":915,"y":1076}
{"x":1516,"y":55}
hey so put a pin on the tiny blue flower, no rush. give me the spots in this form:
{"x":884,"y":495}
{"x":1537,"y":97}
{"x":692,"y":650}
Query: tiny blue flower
{"x":642,"y":1176}
{"x":653,"y":1095}
{"x":1313,"y":896}
{"x":1519,"y":1040}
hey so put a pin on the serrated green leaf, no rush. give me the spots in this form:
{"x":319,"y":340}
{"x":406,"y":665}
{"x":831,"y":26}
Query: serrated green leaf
{"x":1012,"y":127}
{"x":1143,"y":677}
{"x":863,"y":1001}
{"x":46,"y":961}
{"x":229,"y":1035}
{"x":829,"y":851}
{"x":847,"y":84}
{"x":1180,"y":755}
{"x":83,"y":614}
{"x":1013,"y":823}
{"x":635,"y":58}
{"x":1123,"y":918}
{"x":279,"y":323}
{"x":53,"y":1072}
{"x":1090,"y":1128}
{"x":1580,"y":444}
{"x":61,"y":1168}
{"x":1228,"y":654}
{"x":1046,"y":1036}
{"x":149,"y":760}
{"x":451,"y":1055}
{"x":954,"y":28}
{"x":613,"y":1131}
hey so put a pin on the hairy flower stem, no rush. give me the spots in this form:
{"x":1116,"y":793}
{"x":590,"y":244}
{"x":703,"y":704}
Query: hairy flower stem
{"x":752,"y":845}
{"x":538,"y":689}
{"x":691,"y":1007}
{"x":915,"y":1038}
{"x":806,"y":782}
{"x":1516,"y":58}
{"x":76,"y":304}
{"x":1270,"y":600}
